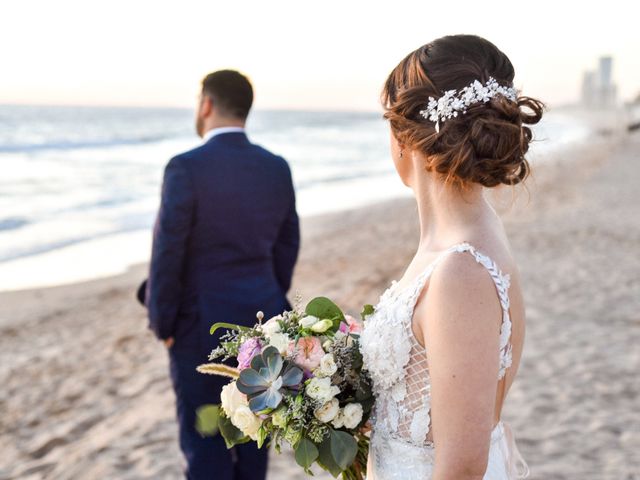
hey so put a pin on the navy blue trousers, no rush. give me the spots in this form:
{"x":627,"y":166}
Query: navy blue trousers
{"x":208,"y":457}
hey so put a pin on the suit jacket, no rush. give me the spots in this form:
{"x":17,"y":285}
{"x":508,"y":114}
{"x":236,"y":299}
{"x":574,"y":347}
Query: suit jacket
{"x":225,"y":241}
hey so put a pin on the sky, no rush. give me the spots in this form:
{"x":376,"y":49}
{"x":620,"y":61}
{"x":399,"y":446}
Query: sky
{"x":329,"y":55}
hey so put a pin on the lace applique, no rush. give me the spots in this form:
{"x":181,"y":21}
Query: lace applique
{"x":398,"y":364}
{"x":387,"y":351}
{"x":420,"y":425}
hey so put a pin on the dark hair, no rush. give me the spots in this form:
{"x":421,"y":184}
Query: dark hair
{"x":230,"y":91}
{"x":486,"y":145}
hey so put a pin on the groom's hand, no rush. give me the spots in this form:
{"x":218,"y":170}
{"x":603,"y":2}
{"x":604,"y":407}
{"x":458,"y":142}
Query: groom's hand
{"x":168,"y":342}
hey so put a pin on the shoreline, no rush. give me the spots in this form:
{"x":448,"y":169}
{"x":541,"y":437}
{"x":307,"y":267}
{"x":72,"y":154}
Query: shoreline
{"x":544,"y":161}
{"x":84,"y":258}
{"x":86,"y":391}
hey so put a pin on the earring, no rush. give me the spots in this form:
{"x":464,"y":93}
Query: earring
{"x":401,"y":153}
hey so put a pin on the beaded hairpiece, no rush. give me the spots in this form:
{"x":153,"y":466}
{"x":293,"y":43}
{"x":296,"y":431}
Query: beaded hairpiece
{"x":453,"y":102}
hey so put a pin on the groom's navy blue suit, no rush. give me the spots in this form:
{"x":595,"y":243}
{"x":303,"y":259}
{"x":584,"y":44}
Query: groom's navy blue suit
{"x":225,"y":244}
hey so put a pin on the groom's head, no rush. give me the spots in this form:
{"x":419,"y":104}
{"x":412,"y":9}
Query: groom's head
{"x":225,"y":100}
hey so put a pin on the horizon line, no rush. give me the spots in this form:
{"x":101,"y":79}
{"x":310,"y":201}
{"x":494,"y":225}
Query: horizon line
{"x":177,"y":107}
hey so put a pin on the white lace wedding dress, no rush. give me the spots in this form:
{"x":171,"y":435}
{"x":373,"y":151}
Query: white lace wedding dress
{"x":398,"y":366}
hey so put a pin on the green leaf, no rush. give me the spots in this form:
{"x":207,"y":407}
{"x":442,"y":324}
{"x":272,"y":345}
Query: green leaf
{"x":207,"y":420}
{"x":228,"y":326}
{"x":231,"y":434}
{"x":262,"y":436}
{"x":343,"y":448}
{"x":366,"y":311}
{"x":357,"y":361}
{"x":306,"y":453}
{"x":322,"y":307}
{"x":364,"y":392}
{"x":325,"y":458}
{"x":293,"y":435}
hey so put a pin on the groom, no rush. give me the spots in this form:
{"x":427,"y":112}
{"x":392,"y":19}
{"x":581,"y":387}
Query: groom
{"x":224,"y":246}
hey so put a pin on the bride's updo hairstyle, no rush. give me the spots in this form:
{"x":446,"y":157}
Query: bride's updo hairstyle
{"x":485,"y":145}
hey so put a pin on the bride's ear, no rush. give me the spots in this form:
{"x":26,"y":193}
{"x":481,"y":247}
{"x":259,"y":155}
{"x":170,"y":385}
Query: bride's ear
{"x":396,"y":145}
{"x":401,"y":156}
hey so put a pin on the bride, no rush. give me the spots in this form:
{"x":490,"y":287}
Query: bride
{"x":444,"y":343}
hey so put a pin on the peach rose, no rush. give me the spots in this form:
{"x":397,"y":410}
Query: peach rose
{"x":307,"y":353}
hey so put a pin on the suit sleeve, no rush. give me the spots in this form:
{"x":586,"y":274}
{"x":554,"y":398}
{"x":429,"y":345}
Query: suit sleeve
{"x":285,"y":251}
{"x":170,"y":236}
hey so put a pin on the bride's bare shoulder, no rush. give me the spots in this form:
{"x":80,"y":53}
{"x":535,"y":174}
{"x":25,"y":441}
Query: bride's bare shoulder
{"x":460,"y":294}
{"x":461,"y":277}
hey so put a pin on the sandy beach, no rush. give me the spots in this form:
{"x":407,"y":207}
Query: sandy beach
{"x":85,"y":387}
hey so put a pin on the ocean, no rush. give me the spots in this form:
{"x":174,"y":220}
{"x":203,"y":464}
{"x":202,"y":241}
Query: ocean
{"x":80,"y":186}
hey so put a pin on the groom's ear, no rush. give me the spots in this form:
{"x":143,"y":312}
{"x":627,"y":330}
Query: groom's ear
{"x":207,"y":106}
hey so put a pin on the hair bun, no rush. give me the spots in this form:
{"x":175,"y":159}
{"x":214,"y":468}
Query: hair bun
{"x":487,"y":143}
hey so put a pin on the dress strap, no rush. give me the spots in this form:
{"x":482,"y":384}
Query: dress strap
{"x":502,"y":282}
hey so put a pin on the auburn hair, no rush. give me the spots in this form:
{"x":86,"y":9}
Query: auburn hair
{"x":485,"y":145}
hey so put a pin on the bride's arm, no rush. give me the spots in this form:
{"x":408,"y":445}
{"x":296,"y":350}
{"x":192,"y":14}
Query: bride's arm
{"x":460,"y":324}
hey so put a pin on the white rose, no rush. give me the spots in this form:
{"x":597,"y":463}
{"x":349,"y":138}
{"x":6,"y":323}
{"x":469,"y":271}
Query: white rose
{"x":231,"y":398}
{"x":352,"y":415}
{"x":308,"y":321}
{"x":248,"y":423}
{"x":327,"y":366}
{"x":320,"y":389}
{"x":328,"y":411}
{"x":338,"y":420}
{"x":271,"y":326}
{"x":280,"y":341}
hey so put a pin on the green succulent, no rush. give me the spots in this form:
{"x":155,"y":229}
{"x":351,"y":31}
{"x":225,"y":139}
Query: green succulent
{"x":268,"y":377}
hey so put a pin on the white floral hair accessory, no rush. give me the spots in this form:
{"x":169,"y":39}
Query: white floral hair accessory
{"x":453,"y":102}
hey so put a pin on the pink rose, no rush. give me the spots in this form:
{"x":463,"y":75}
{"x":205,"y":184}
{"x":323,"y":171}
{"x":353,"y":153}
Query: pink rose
{"x":249,"y":349}
{"x":307,"y":353}
{"x":352,"y":325}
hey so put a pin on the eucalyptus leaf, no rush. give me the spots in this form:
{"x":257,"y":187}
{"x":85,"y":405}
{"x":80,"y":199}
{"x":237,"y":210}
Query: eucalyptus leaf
{"x":322,"y":308}
{"x":366,"y":311}
{"x":231,"y":434}
{"x":343,"y":448}
{"x":325,"y":458}
{"x":306,"y":453}
{"x":207,"y":420}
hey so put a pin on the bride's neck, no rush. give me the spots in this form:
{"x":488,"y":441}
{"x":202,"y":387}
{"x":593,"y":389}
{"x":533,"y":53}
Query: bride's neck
{"x":448,"y":215}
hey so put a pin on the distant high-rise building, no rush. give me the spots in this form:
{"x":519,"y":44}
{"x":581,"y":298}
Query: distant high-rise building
{"x":604,"y":69}
{"x":598,"y":89}
{"x":588,"y":87}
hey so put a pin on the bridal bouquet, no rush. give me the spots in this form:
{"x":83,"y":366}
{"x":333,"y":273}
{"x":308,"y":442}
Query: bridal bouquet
{"x":300,"y":380}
